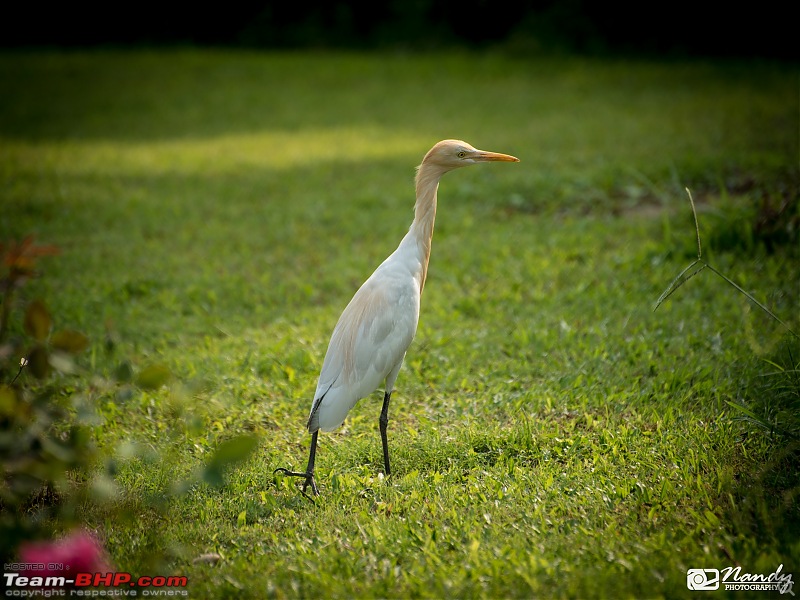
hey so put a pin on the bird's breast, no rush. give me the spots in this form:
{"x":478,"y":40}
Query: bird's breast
{"x":375,"y":329}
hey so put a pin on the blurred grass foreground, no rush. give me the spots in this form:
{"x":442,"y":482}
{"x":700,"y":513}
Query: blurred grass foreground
{"x":182,"y":228}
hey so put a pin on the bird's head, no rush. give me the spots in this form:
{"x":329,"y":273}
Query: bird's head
{"x":452,"y":154}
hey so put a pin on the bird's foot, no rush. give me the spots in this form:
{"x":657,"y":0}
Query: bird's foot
{"x":308,"y":476}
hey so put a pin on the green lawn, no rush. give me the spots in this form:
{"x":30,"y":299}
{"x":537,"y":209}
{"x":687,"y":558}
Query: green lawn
{"x":551,"y":435}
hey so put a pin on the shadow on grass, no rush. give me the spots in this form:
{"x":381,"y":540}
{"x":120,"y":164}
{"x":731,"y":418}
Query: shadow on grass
{"x":763,"y":500}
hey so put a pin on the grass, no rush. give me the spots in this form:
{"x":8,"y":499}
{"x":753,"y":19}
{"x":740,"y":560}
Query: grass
{"x":551,"y":435}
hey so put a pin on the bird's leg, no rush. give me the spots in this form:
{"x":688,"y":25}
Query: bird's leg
{"x":384,"y":421}
{"x":312,"y":456}
{"x":308,"y":475}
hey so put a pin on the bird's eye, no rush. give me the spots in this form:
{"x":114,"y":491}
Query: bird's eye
{"x":461,"y":154}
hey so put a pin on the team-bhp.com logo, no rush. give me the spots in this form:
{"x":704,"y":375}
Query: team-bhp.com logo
{"x":126,"y":585}
{"x":733,"y":579}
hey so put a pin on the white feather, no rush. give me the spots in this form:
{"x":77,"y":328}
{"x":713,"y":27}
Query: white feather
{"x":371,"y":338}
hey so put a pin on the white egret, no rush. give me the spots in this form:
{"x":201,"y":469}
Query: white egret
{"x":370,"y":340}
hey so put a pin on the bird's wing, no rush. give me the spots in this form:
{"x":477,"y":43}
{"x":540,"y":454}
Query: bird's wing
{"x":370,"y":339}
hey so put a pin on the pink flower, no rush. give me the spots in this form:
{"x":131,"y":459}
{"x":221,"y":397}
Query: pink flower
{"x":78,"y":552}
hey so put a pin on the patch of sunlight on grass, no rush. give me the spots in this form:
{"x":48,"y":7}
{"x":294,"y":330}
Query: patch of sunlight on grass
{"x":276,"y":150}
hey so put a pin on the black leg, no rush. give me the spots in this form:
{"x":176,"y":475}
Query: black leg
{"x":384,"y":421}
{"x":308,"y":475}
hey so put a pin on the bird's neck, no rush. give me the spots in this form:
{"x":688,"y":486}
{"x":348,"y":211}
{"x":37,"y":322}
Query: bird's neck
{"x":427,"y":184}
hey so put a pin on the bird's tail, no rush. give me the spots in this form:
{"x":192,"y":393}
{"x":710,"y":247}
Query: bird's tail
{"x":313,"y":419}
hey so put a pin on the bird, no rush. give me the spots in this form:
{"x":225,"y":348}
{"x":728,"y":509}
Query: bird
{"x":370,"y":340}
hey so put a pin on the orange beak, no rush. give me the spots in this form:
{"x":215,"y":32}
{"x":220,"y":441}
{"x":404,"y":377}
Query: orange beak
{"x":482,"y":155}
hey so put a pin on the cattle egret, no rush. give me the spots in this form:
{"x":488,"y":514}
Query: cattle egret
{"x":370,"y":340}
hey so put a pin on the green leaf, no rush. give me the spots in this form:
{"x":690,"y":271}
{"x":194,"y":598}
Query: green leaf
{"x":153,"y":377}
{"x":124,"y":372}
{"x":39,"y":362}
{"x":58,"y":450}
{"x":711,"y":518}
{"x":8,"y":401}
{"x":229,"y":453}
{"x":234,"y":450}
{"x":61,"y":362}
{"x":37,"y":321}
{"x":104,"y":489}
{"x":68,"y":340}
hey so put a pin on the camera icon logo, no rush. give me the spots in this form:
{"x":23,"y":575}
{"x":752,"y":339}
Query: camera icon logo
{"x":702,"y":579}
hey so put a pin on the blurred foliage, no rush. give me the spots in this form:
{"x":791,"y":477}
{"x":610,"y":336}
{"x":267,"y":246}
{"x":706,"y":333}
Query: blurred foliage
{"x":46,"y":441}
{"x":40,"y":438}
